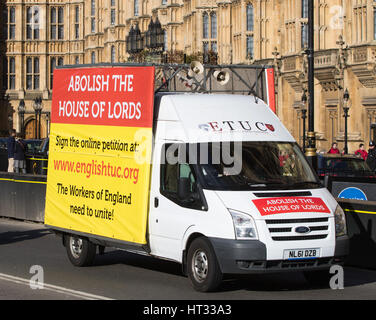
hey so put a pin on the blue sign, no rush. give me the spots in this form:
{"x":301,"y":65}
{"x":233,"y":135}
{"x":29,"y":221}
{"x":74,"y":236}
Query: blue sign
{"x":353,"y":194}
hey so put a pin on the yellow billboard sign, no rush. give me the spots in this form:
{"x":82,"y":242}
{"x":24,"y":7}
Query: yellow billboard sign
{"x":100,"y":151}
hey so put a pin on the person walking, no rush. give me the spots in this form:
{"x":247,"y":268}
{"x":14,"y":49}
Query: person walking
{"x":371,"y":159}
{"x":19,"y":155}
{"x":10,"y":146}
{"x":362,"y":152}
{"x":334,"y":149}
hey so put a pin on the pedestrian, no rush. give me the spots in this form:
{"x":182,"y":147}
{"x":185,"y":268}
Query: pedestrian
{"x":19,"y":155}
{"x":10,"y":146}
{"x":371,"y":159}
{"x":334,"y":149}
{"x":361,"y":152}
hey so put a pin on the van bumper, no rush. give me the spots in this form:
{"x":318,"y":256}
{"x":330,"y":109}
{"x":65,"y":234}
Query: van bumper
{"x":249,"y":256}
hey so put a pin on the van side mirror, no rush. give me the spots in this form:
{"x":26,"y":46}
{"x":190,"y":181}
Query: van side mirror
{"x":184,"y":190}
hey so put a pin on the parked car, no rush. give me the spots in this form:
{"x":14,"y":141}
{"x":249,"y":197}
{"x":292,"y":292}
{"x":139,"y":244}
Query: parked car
{"x":32,"y":145}
{"x":343,"y":166}
{"x":33,"y":154}
{"x":43,"y":148}
{"x":3,"y":142}
{"x":36,"y":156}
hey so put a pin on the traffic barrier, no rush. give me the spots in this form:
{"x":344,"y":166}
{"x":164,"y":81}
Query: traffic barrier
{"x":357,"y":197}
{"x":361,"y":228}
{"x":36,"y":164}
{"x":3,"y":159}
{"x":355,"y":188}
{"x":22,"y":196}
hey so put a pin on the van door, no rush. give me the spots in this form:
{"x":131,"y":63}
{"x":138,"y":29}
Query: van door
{"x":175,"y":205}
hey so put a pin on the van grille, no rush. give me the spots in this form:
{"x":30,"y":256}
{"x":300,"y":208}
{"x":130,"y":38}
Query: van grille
{"x":284,"y":229}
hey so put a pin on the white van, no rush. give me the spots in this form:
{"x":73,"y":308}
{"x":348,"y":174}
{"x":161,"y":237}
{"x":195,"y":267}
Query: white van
{"x":230,"y":193}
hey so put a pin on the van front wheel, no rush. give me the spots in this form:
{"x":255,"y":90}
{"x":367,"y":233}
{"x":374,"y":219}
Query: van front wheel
{"x":81,"y":252}
{"x":202,"y":266}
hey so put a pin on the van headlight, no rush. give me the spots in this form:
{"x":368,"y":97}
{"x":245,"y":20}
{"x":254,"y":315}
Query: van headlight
{"x":340,"y":221}
{"x":244,"y":226}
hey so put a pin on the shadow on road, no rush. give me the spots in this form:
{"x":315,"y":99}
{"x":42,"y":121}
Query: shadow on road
{"x":294,"y":281}
{"x":17,"y":236}
{"x":139,"y":261}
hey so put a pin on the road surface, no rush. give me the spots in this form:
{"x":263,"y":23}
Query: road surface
{"x":30,"y":255}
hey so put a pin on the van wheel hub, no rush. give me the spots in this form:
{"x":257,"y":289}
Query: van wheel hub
{"x":75,"y":245}
{"x":200,"y":266}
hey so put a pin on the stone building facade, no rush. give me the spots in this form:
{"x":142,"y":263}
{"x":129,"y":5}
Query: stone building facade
{"x":38,"y":35}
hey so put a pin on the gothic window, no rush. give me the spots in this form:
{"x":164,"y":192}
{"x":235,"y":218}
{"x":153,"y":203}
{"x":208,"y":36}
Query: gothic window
{"x":304,"y":8}
{"x":250,"y":17}
{"x":60,"y":23}
{"x":32,"y":73}
{"x":29,"y":73}
{"x":250,"y":47}
{"x":205,"y":25}
{"x":250,"y":24}
{"x":113,"y":53}
{"x":209,"y":24}
{"x":304,"y":35}
{"x":76,"y":22}
{"x":32,"y":23}
{"x":52,"y":68}
{"x":57,"y":23}
{"x":113,"y":12}
{"x":213,"y":25}
{"x":136,"y":12}
{"x":12,"y":23}
{"x":360,"y":21}
{"x":92,"y":20}
{"x":205,"y":47}
{"x":10,"y":73}
{"x":53,"y":23}
{"x":93,"y":57}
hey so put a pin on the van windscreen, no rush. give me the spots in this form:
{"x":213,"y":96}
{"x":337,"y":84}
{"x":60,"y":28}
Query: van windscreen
{"x":253,"y":165}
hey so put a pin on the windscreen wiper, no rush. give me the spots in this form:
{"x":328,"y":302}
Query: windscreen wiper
{"x":273,"y":185}
{"x":304,"y":183}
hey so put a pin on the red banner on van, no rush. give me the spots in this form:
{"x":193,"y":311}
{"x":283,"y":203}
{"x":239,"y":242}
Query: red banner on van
{"x":114,"y":96}
{"x":270,"y":206}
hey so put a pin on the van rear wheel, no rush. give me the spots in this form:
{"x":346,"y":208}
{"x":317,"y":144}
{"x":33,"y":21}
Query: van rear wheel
{"x":81,"y":252}
{"x":202,"y":266}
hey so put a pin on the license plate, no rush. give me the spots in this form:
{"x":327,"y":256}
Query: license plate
{"x":297,"y":254}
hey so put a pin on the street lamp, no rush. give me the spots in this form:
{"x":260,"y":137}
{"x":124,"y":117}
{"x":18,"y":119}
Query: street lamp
{"x":21,"y":114}
{"x":311,"y":136}
{"x":304,"y":117}
{"x":129,"y":40}
{"x":37,"y":105}
{"x":346,"y":107}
